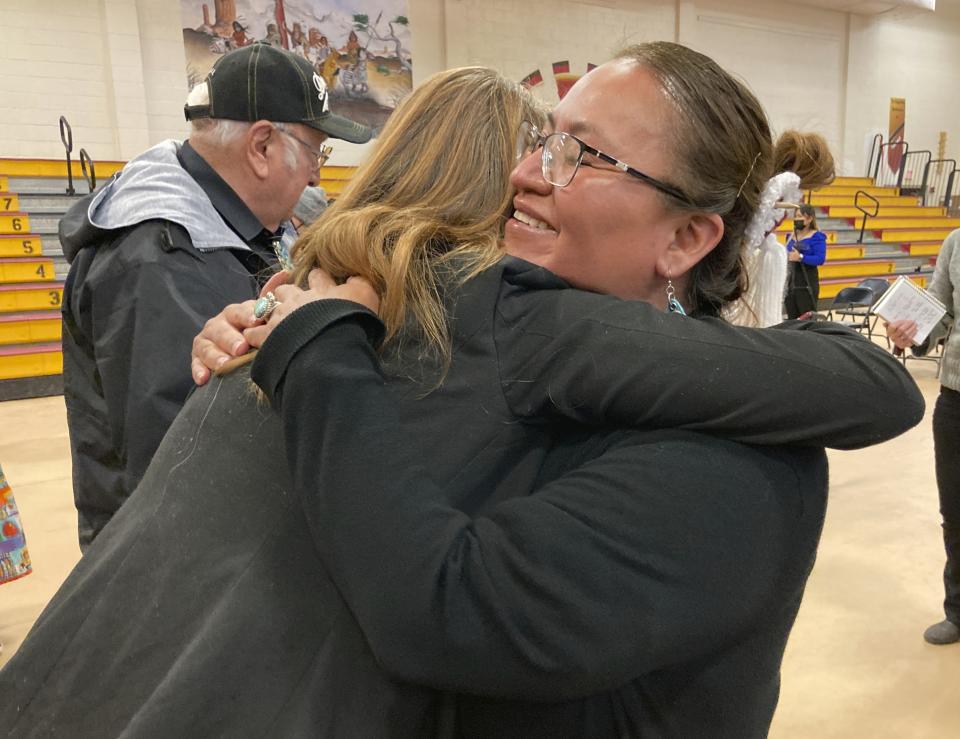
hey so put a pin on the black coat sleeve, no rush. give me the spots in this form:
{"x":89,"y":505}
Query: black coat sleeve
{"x":629,"y":563}
{"x":141,"y":316}
{"x":599,"y":360}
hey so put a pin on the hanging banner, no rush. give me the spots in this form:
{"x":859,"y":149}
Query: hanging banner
{"x":361,"y":49}
{"x":898,"y":108}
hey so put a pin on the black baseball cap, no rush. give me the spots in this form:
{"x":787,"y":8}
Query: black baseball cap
{"x":261,"y":82}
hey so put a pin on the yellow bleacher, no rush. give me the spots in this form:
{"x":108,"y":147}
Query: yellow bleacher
{"x":30,"y":291}
{"x":903,"y":237}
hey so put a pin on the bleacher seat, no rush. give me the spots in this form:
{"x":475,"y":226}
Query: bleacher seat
{"x":903,"y":239}
{"x":32,"y":267}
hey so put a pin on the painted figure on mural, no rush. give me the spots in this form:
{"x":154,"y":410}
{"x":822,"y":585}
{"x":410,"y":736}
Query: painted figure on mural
{"x":239,"y":37}
{"x":273,"y":36}
{"x":298,"y":40}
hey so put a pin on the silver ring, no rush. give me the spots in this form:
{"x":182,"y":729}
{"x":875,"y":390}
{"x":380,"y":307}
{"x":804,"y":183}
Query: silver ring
{"x":265,"y":306}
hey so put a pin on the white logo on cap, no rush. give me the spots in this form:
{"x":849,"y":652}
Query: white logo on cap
{"x":321,"y":86}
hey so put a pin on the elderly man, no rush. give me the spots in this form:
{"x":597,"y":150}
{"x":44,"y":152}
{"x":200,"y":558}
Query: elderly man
{"x":184,"y":228}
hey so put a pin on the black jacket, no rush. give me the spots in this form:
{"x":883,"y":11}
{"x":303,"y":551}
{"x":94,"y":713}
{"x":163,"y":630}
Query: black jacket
{"x":648,"y":583}
{"x":133,"y":301}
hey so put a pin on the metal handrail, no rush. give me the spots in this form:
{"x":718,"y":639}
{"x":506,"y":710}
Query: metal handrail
{"x":91,"y":174}
{"x":903,"y":159}
{"x":926,"y":179}
{"x":947,"y":198}
{"x":66,"y":136}
{"x":866,"y":214}
{"x":873,"y":150}
{"x":908,"y":173}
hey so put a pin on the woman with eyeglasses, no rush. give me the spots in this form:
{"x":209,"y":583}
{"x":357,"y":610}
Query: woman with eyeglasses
{"x":427,"y":538}
{"x":657,"y":572}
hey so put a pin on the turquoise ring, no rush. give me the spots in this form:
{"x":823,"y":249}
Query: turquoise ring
{"x":265,"y":306}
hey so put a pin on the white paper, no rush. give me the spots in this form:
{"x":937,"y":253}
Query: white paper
{"x":903,"y":300}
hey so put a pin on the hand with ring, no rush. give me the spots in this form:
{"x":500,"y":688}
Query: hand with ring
{"x":287,"y":298}
{"x":224,"y":338}
{"x":265,"y":306}
{"x":221,"y":339}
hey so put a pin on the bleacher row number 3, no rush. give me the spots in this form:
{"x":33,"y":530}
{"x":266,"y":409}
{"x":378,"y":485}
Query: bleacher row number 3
{"x":54,"y":297}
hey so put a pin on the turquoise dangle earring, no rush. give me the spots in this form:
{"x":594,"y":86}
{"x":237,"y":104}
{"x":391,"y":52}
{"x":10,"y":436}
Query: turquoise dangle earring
{"x":673,"y":305}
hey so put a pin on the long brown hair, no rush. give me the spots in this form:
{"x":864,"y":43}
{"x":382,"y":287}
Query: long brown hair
{"x":429,"y":204}
{"x":723,"y":156}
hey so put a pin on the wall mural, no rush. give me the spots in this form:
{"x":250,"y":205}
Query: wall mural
{"x":360,"y":47}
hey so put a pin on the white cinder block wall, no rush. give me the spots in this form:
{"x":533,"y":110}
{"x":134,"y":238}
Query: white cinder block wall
{"x":115,"y":68}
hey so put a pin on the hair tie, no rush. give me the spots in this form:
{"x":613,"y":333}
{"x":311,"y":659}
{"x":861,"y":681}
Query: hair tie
{"x":764,"y":257}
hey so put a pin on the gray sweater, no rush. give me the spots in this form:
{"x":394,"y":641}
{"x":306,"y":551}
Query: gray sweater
{"x":945,"y":286}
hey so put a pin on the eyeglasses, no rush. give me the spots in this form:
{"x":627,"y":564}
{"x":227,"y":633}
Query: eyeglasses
{"x":563,"y":153}
{"x":322,"y":154}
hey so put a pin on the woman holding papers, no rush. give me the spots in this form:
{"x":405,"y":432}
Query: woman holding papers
{"x":946,"y":427}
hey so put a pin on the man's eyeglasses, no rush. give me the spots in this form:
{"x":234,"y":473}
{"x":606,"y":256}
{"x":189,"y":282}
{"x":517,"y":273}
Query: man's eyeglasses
{"x":563,"y":153}
{"x":322,"y":154}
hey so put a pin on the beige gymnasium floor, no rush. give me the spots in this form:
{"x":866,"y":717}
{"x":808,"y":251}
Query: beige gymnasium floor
{"x":856,"y":665}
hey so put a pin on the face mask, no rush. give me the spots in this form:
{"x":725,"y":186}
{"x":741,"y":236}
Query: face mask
{"x":798,"y":224}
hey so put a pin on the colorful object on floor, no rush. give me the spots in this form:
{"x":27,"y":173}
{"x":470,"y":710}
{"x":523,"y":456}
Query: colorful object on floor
{"x":14,"y":558}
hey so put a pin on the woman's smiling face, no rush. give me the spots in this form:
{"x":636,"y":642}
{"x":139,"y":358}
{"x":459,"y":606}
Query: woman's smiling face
{"x":606,"y":231}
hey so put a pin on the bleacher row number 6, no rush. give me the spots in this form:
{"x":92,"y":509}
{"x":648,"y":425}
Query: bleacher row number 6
{"x":17,"y":224}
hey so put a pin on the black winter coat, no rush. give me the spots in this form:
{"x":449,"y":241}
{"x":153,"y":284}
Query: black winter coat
{"x":133,"y":301}
{"x":613,"y":584}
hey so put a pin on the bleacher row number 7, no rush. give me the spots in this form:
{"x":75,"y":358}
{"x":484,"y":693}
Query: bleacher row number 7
{"x":6,"y":203}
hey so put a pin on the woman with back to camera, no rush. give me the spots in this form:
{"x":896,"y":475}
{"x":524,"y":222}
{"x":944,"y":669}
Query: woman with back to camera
{"x":806,"y":251}
{"x":221,"y":572}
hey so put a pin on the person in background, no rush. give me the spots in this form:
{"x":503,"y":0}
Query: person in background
{"x":945,"y":286}
{"x":806,"y":251}
{"x":311,"y":205}
{"x":154,"y":253}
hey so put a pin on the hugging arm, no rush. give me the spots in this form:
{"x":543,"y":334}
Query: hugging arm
{"x":599,"y":360}
{"x":578,"y":588}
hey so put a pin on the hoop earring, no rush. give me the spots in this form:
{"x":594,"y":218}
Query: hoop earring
{"x":673,"y":305}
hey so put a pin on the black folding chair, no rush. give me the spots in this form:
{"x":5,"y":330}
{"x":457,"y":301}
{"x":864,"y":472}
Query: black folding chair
{"x":865,"y":315}
{"x":855,"y":303}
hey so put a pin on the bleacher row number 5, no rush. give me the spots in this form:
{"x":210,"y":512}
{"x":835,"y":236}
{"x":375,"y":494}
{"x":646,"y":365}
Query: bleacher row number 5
{"x":27,"y":245}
